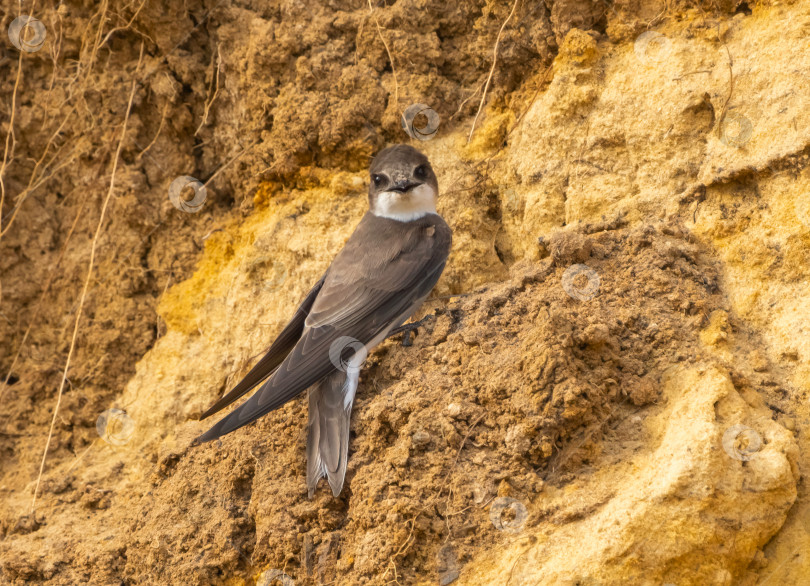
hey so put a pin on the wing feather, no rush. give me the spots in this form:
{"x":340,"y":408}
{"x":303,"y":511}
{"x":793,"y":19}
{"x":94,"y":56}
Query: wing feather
{"x":282,"y":345}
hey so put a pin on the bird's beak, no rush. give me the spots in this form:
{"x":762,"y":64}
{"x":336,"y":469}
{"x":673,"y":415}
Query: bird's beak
{"x":403,"y":186}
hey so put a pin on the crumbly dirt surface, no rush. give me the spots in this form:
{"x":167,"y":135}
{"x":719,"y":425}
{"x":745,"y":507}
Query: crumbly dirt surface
{"x":473,"y":410}
{"x":608,"y":232}
{"x":490,"y":400}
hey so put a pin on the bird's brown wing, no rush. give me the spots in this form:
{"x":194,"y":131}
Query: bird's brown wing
{"x":277,"y":352}
{"x":352,"y":304}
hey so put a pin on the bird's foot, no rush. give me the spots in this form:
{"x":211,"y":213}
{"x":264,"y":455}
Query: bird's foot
{"x":406,"y":330}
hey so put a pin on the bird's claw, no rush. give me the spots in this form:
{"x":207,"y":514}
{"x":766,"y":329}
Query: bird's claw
{"x":406,"y":330}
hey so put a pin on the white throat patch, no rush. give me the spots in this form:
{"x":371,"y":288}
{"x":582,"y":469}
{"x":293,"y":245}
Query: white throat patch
{"x":406,"y":207}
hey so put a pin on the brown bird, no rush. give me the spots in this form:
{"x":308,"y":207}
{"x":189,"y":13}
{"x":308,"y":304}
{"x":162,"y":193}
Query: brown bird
{"x":377,"y":281}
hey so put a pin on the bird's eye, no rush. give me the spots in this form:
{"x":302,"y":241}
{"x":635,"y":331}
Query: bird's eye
{"x":378,"y":180}
{"x":421,"y":172}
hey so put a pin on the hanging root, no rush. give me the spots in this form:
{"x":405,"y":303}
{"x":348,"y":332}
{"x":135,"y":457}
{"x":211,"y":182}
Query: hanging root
{"x":93,"y":245}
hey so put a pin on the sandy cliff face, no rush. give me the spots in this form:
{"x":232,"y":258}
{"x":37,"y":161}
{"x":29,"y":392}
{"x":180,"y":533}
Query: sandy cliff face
{"x":614,"y":385}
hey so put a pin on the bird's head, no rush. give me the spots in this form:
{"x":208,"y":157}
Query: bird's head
{"x":403,"y":185}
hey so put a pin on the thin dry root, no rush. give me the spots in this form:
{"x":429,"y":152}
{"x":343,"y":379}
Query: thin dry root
{"x":390,"y":57}
{"x":492,"y":69}
{"x":87,"y":281}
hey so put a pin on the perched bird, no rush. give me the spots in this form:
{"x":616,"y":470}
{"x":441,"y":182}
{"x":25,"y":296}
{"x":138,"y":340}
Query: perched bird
{"x":377,"y":281}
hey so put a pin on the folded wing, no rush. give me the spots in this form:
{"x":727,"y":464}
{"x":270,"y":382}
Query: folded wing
{"x":278,"y":351}
{"x":360,"y":304}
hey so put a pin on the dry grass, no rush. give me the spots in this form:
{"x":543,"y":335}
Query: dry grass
{"x":73,"y":133}
{"x":492,"y":69}
{"x":93,"y":246}
{"x":390,"y":57}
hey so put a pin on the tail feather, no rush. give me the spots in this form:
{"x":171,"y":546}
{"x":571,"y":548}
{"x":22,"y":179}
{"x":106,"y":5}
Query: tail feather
{"x":330,"y":409}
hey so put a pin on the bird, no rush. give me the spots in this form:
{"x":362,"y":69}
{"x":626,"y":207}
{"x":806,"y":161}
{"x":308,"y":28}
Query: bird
{"x":382,"y":275}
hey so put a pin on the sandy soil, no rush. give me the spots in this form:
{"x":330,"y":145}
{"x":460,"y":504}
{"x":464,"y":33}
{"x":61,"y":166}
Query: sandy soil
{"x":628,"y":283}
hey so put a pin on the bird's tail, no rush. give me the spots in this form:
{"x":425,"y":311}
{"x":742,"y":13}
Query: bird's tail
{"x":330,"y":409}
